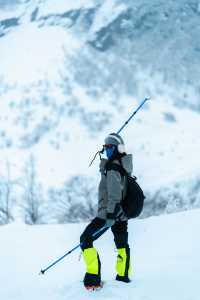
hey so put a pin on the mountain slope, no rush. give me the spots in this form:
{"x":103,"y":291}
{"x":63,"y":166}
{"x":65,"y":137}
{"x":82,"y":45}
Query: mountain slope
{"x":146,"y":36}
{"x":71,"y":72}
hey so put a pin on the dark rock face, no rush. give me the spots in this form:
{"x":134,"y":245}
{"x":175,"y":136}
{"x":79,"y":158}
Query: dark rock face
{"x":9,"y":23}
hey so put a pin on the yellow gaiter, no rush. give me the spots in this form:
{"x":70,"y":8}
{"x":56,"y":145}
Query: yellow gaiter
{"x":90,"y":256}
{"x":123,"y":262}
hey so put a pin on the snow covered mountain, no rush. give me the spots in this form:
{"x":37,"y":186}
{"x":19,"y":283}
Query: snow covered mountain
{"x":73,"y":71}
{"x":153,"y":38}
{"x":164,"y":251}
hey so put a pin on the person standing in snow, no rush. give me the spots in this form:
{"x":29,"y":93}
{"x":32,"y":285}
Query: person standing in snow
{"x":112,"y":189}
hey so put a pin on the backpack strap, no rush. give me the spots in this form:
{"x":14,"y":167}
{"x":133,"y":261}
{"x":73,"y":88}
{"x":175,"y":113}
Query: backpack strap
{"x":112,"y":166}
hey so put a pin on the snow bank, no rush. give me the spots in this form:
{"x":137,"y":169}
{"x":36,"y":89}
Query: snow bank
{"x":165,"y":259}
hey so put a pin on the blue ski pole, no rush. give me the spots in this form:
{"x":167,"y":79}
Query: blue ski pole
{"x":69,"y":252}
{"x":146,"y":99}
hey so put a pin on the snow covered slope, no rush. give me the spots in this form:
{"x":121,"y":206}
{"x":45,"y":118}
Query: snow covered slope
{"x":154,"y":38}
{"x":165,"y":257}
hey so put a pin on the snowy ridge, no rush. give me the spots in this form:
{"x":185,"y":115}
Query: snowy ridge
{"x":53,"y":7}
{"x":106,"y":14}
{"x":164,"y":251}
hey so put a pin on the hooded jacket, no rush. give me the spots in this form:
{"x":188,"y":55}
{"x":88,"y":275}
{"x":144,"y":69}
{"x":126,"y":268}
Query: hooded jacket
{"x":112,"y":187}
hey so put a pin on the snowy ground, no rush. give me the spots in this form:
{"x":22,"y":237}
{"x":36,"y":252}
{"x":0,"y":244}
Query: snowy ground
{"x":63,"y":122}
{"x":165,"y":257}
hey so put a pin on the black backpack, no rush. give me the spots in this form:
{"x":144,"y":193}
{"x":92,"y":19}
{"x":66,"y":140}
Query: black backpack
{"x":133,"y":201}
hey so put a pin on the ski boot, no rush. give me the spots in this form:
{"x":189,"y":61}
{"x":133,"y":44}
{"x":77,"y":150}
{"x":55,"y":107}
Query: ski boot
{"x":92,"y":279}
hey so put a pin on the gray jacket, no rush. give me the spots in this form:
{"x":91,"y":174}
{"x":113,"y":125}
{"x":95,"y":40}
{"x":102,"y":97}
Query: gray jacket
{"x":112,"y":187}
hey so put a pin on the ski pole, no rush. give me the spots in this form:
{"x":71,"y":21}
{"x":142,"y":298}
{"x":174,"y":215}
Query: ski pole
{"x":142,"y":103}
{"x":101,"y":151}
{"x":59,"y":259}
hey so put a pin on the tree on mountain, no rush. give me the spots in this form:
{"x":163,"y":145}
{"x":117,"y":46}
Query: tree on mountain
{"x":32,"y":194}
{"x":6,"y":199}
{"x":74,"y":202}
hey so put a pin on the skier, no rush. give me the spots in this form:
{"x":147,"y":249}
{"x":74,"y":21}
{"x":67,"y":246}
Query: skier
{"x":112,"y":189}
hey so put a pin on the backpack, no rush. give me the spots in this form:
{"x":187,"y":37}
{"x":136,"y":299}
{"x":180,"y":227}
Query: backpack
{"x":132,"y":203}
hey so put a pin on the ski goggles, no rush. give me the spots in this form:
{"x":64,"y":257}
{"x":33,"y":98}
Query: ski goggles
{"x":108,"y":146}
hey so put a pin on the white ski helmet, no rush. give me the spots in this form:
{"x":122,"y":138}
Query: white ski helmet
{"x":115,"y":139}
